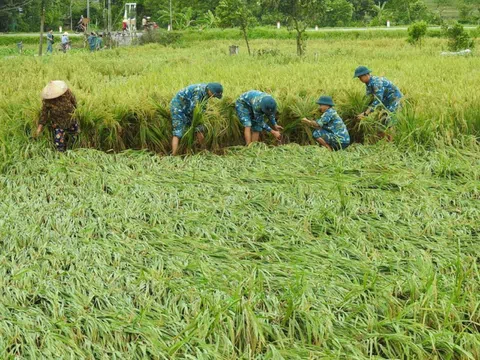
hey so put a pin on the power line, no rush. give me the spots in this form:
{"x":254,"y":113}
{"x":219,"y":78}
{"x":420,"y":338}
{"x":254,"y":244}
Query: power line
{"x":7,"y":8}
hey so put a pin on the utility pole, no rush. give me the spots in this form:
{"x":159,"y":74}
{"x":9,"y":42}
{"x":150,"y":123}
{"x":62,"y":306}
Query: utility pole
{"x":88,"y":11}
{"x":171,"y":25}
{"x":71,"y":19}
{"x":109,"y":15}
{"x":42,"y":25}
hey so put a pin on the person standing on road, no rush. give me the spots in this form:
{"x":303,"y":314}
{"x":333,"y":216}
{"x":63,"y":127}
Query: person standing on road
{"x":182,"y":108}
{"x":50,"y":41}
{"x":330,"y":130}
{"x":58,"y":110}
{"x":252,"y":107}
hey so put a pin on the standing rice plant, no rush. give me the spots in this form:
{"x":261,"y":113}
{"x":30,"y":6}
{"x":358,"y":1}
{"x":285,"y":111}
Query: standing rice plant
{"x":354,"y":103}
{"x":112,"y":94}
{"x":189,"y":138}
{"x":296,"y":108}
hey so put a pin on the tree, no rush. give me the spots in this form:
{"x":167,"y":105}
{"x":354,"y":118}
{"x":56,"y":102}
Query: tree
{"x":416,"y":32}
{"x":458,"y":38}
{"x":159,"y":10}
{"x":469,"y":10}
{"x":408,"y":11}
{"x":299,"y":14}
{"x":208,"y":20}
{"x":11,"y":13}
{"x":382,"y":14}
{"x":338,"y":13}
{"x":235,"y":13}
{"x":362,"y":9}
{"x":42,"y":25}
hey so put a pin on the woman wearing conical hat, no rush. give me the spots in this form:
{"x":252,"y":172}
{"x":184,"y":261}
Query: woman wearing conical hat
{"x":58,"y":110}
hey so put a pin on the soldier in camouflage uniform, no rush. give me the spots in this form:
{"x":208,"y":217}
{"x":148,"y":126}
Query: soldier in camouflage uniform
{"x":58,"y":110}
{"x":252,"y":107}
{"x":330,"y":130}
{"x":183,"y":104}
{"x":383,"y":91}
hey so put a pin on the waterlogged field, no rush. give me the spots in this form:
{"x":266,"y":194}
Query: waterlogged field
{"x":286,"y":252}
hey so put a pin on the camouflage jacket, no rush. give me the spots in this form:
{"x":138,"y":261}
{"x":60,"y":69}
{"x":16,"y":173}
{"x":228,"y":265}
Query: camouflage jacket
{"x":383,"y":91}
{"x":252,"y":99}
{"x":190,"y":96}
{"x":333,"y":123}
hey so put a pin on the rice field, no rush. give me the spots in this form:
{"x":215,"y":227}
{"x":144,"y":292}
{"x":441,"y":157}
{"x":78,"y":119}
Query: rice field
{"x":124,"y":94}
{"x":265,"y":252}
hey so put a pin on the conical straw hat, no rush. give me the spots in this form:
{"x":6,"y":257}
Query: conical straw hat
{"x":54,"y":89}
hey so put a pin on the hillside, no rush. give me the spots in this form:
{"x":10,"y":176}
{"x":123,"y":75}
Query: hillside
{"x":449,"y":12}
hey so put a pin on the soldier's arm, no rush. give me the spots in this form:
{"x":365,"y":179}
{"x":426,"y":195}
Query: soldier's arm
{"x":324,"y":119}
{"x":266,"y":127}
{"x":260,"y":118}
{"x":273,"y":121}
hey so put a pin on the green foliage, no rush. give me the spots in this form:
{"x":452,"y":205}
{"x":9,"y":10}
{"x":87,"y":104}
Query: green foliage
{"x":299,"y":14}
{"x":266,"y":252}
{"x":338,"y":13}
{"x":416,"y":33}
{"x":161,"y":37}
{"x":235,"y":13}
{"x":469,"y":11}
{"x":442,"y":6}
{"x":208,"y":20}
{"x":124,"y":94}
{"x":458,"y":38}
{"x":200,"y":14}
{"x":363,"y":10}
{"x":382,"y":14}
{"x":402,"y":12}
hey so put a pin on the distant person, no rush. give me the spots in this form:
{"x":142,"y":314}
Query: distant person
{"x":124,"y":24}
{"x":92,"y":41}
{"x":50,"y":41}
{"x":252,"y":108}
{"x":385,"y":95}
{"x":58,"y":110}
{"x":65,"y":42}
{"x":81,"y":25}
{"x":330,"y":130}
{"x":183,"y":105}
{"x":144,"y":23}
{"x":99,"y":43}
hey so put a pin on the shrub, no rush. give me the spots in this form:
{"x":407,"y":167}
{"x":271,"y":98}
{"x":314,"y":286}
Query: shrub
{"x":416,"y":32}
{"x":160,"y":37}
{"x":458,"y":38}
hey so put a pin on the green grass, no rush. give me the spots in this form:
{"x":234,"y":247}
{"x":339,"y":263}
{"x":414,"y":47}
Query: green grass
{"x":264,"y":253}
{"x":287,"y":252}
